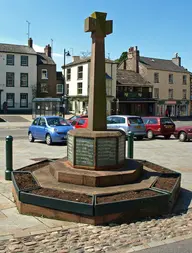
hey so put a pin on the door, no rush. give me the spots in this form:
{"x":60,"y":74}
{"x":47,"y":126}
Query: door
{"x":34,"y":127}
{"x":41,"y":130}
{"x":153,"y":125}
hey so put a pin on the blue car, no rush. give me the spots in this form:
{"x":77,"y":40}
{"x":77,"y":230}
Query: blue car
{"x":49,"y":129}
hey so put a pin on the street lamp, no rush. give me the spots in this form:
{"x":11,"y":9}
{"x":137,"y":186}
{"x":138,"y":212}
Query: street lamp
{"x":65,"y":53}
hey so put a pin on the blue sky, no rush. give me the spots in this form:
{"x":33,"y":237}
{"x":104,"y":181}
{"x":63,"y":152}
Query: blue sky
{"x":159,"y":28}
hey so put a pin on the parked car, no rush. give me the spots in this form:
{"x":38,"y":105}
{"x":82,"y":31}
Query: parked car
{"x":127,"y":123}
{"x":183,"y":133}
{"x":49,"y":129}
{"x":80,"y":123}
{"x":74,"y":117}
{"x":159,"y":126}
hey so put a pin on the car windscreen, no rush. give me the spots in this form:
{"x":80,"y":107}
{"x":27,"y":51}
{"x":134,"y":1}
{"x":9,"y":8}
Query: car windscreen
{"x":57,"y":122}
{"x":74,"y":117}
{"x":166,"y":121}
{"x":135,"y":120}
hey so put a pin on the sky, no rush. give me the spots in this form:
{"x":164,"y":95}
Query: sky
{"x":160,"y":28}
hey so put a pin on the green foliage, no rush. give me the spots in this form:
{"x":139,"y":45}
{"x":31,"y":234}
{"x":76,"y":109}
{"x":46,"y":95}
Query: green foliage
{"x":122,"y":57}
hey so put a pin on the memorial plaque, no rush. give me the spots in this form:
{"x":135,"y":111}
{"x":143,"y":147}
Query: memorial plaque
{"x":106,"y":151}
{"x":121,"y":151}
{"x":84,"y":151}
{"x":70,"y":148}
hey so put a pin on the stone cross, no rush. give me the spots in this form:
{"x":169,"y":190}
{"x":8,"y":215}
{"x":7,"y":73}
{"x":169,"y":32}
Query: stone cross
{"x":99,"y":28}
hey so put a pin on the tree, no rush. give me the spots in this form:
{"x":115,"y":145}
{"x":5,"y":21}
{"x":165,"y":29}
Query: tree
{"x":85,"y":54}
{"x":122,"y":57}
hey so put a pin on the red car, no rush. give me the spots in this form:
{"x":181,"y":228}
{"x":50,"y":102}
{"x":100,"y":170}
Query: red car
{"x":183,"y":133}
{"x":76,"y":117}
{"x":159,"y":126}
{"x":80,"y":123}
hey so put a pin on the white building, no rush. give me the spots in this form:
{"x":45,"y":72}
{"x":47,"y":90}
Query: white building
{"x":18,"y":76}
{"x":77,"y":76}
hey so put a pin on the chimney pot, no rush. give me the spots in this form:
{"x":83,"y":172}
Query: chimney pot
{"x":47,"y":50}
{"x":133,"y":57}
{"x":177,"y":60}
{"x":30,"y":42}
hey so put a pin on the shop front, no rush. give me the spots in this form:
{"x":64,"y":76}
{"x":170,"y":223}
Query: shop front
{"x":175,"y":107}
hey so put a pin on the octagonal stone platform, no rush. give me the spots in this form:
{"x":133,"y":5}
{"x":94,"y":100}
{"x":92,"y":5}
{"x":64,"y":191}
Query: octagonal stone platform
{"x":96,"y":150}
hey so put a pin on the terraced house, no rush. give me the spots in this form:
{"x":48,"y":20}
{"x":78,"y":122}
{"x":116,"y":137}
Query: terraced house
{"x":169,"y":79}
{"x":18,"y":76}
{"x":77,"y":75}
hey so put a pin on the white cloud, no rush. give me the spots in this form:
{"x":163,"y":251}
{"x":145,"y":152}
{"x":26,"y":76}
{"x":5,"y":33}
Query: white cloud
{"x":40,"y":49}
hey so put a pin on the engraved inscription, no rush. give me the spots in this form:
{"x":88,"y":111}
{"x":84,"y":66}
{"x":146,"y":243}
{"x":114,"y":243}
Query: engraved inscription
{"x":70,"y":148}
{"x":84,"y":151}
{"x":106,"y":151}
{"x":121,"y":149}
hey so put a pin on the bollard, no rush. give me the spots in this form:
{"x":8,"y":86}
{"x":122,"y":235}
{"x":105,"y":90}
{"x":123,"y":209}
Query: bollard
{"x":130,"y":144}
{"x":9,"y":157}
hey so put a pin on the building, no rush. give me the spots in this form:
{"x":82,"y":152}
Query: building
{"x":18,"y":76}
{"x":171,"y":81}
{"x":134,"y":94}
{"x":77,"y":74}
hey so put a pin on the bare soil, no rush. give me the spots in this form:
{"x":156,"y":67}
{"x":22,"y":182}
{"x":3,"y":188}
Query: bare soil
{"x":156,"y":167}
{"x":166,"y":183}
{"x":35,"y":166}
{"x":77,"y":197}
{"x":25,"y":181}
{"x":126,"y":196}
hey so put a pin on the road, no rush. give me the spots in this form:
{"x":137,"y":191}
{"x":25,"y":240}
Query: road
{"x":22,"y":132}
{"x":184,"y":246}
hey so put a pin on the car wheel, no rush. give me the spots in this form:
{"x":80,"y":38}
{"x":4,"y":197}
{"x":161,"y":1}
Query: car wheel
{"x":182,"y":136}
{"x":139,"y":138}
{"x":167,"y":137}
{"x":150,"y":134}
{"x":30,"y":137}
{"x":48,"y":139}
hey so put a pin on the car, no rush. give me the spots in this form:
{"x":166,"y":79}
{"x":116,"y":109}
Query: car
{"x":74,"y":117}
{"x":51,"y":129}
{"x":80,"y":123}
{"x":127,"y":123}
{"x":156,"y":126}
{"x":183,"y":133}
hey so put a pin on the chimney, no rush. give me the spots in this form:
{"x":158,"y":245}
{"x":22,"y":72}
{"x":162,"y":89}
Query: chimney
{"x":133,"y":58}
{"x":177,"y":60}
{"x":76,"y":58}
{"x":30,"y":42}
{"x":47,"y":50}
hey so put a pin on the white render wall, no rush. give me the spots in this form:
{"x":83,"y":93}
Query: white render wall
{"x":31,"y":69}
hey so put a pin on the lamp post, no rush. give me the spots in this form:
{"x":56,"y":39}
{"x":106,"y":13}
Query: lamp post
{"x":65,"y":53}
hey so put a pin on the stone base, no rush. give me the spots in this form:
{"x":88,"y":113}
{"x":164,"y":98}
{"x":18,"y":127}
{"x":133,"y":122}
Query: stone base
{"x":64,"y":172}
{"x":96,"y":150}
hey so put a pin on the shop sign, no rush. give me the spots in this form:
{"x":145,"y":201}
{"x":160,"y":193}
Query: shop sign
{"x":170,"y":102}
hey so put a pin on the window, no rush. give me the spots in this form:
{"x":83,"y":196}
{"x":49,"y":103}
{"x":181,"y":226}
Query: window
{"x":152,"y":121}
{"x":81,"y":122}
{"x":156,"y":77}
{"x":80,"y":72}
{"x":67,"y":89}
{"x":24,"y":60}
{"x":10,"y":76}
{"x":44,"y":88}
{"x":108,"y":88}
{"x":184,"y":79}
{"x":42,"y":122}
{"x":68,"y":74}
{"x":23,"y":100}
{"x":44,"y":74}
{"x":184,"y":94}
{"x":79,"y":88}
{"x":171,"y":78}
{"x":35,"y":122}
{"x":10,"y":100}
{"x":59,"y":88}
{"x":10,"y":59}
{"x":171,"y":93}
{"x":135,"y":120}
{"x":24,"y":79}
{"x":156,"y":92}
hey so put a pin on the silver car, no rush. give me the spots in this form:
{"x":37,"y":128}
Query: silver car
{"x":127,"y":123}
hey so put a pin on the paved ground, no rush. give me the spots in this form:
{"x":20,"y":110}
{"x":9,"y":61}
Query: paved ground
{"x":21,"y":233}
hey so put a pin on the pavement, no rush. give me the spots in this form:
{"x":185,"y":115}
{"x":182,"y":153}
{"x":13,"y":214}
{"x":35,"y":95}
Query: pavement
{"x":20,"y":233}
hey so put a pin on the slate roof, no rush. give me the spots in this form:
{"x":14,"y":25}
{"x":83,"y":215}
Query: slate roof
{"x":131,"y":78}
{"x":42,"y":58}
{"x":161,"y":64}
{"x":20,"y":49}
{"x":85,"y":60}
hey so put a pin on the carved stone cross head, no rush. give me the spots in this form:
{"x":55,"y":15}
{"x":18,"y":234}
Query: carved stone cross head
{"x":98,"y":25}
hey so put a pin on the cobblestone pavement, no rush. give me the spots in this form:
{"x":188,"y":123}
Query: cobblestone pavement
{"x":112,"y":238}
